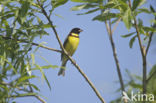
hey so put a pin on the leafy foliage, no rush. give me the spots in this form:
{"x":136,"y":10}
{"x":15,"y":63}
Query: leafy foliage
{"x":19,"y":21}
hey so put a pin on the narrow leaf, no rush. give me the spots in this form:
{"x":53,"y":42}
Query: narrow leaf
{"x":24,"y":78}
{"x":86,"y":1}
{"x":145,"y":10}
{"x":105,"y":16}
{"x":57,"y":3}
{"x":49,"y":66}
{"x":137,"y":3}
{"x":152,"y":9}
{"x":90,"y":11}
{"x":43,"y":75}
{"x":128,"y":35}
{"x":47,"y":82}
{"x":35,"y":87}
{"x":149,"y":29}
{"x":33,"y":59}
{"x":83,"y":6}
{"x":132,"y":41}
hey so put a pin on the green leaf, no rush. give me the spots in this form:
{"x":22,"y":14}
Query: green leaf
{"x":137,"y":3}
{"x":88,"y":12}
{"x":33,"y":59}
{"x":123,"y":4}
{"x":23,"y":11}
{"x":43,"y":75}
{"x":152,"y":9}
{"x":149,"y":29}
{"x":128,"y":35}
{"x":86,"y":1}
{"x":49,"y":66}
{"x":81,"y":1}
{"x":83,"y":6}
{"x":141,"y":28}
{"x":105,"y":16}
{"x":78,"y":7}
{"x":3,"y":59}
{"x":35,"y":87}
{"x":127,"y":17}
{"x":46,"y":26}
{"x":132,"y":41}
{"x":145,"y":10}
{"x":59,"y":16}
{"x":57,"y":3}
{"x":24,"y":78}
{"x":47,"y":82}
{"x":110,"y":4}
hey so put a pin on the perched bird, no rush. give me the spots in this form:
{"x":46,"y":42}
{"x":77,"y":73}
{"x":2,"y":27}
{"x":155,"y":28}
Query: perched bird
{"x":70,"y":45}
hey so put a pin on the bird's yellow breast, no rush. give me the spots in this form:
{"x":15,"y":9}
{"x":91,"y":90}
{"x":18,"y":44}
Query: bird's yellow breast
{"x":72,"y":44}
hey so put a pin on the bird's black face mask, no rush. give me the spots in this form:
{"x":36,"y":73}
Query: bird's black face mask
{"x":76,"y":30}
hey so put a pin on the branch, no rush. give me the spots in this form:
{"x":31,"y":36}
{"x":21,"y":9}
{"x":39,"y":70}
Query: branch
{"x":149,"y":42}
{"x":69,"y":57}
{"x":22,"y":95}
{"x":32,"y":43}
{"x":39,"y":98}
{"x":115,"y":26}
{"x":150,"y":38}
{"x":28,"y":95}
{"x":110,"y":32}
{"x":143,"y":52}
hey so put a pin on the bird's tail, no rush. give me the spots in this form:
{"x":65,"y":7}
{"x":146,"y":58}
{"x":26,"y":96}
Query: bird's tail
{"x":62,"y":70}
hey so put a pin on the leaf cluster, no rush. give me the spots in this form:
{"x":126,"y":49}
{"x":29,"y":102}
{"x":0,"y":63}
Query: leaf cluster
{"x":20,"y":21}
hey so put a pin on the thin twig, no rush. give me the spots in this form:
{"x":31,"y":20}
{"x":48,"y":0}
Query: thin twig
{"x":32,"y":43}
{"x":28,"y":95}
{"x":39,"y":98}
{"x":149,"y":42}
{"x":147,"y":49}
{"x":115,"y":26}
{"x":150,"y":38}
{"x":143,"y":52}
{"x":21,"y":95}
{"x":69,"y":57}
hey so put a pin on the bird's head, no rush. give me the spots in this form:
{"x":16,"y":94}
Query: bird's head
{"x":76,"y":30}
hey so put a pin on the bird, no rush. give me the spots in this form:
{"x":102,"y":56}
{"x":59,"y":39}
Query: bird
{"x":70,"y":45}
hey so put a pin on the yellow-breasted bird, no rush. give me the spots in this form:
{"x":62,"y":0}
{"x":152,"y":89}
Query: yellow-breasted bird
{"x":70,"y":45}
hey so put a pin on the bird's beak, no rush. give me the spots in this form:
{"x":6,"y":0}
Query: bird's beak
{"x":80,"y":30}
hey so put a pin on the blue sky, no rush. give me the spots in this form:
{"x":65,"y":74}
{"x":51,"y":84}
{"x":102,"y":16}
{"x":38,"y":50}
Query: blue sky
{"x":94,"y":56}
